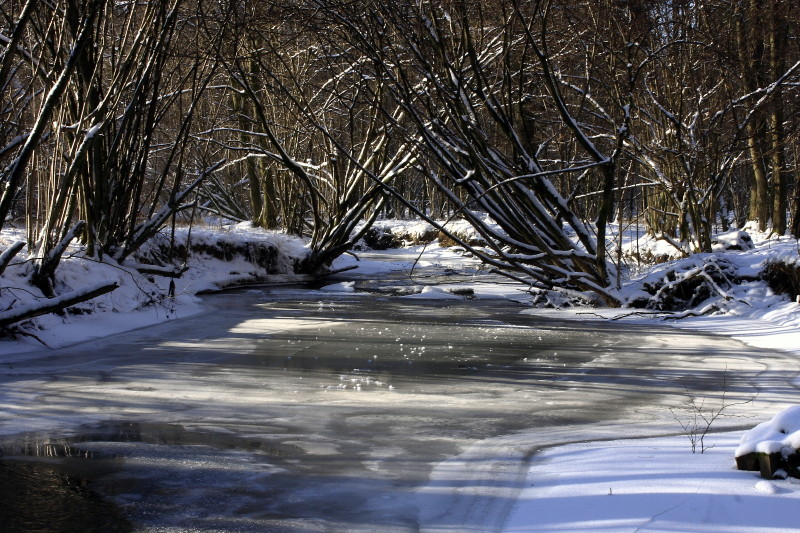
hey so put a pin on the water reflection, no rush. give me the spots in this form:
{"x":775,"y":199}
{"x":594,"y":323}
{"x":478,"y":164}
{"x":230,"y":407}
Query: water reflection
{"x":41,"y":496}
{"x":49,"y":482}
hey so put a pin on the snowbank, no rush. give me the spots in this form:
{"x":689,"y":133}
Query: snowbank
{"x":217,"y":257}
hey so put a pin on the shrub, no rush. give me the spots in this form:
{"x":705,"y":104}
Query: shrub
{"x":783,"y":277}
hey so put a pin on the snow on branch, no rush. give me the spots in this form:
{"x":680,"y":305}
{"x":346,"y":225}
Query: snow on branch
{"x":9,"y":254}
{"x":52,"y":305}
{"x":764,"y":93}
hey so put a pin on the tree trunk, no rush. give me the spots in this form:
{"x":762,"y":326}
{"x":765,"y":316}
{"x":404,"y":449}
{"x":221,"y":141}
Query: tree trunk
{"x":759,"y":193}
{"x":750,"y":44}
{"x":777,"y":63}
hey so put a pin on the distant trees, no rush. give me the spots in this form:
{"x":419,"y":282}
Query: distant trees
{"x":709,"y":134}
{"x":315,"y":117}
{"x":766,"y":49}
{"x":687,"y":143}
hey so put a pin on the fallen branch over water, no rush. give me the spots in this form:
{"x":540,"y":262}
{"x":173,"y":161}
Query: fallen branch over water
{"x":52,"y":305}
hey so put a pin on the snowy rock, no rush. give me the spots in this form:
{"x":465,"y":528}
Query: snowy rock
{"x":379,"y":238}
{"x":773,"y":447}
{"x":732,"y":241}
{"x":397,"y":235}
{"x":556,"y":300}
{"x":469,"y":237}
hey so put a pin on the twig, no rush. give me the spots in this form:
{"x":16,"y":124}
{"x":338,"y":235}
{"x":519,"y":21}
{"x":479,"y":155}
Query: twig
{"x":700,"y":420}
{"x":19,"y":331}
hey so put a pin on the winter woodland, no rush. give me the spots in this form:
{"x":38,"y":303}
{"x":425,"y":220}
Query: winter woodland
{"x":613,"y":154}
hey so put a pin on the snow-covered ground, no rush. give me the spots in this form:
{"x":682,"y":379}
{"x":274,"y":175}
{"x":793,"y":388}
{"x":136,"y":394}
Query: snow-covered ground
{"x":622,"y":485}
{"x":651,"y":485}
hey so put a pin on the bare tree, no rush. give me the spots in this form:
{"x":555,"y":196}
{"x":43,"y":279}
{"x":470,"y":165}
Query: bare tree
{"x":77,"y":39}
{"x":333,"y":143}
{"x":485,"y":100}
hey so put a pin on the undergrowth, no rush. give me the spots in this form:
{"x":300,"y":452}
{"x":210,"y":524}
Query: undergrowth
{"x":783,"y":277}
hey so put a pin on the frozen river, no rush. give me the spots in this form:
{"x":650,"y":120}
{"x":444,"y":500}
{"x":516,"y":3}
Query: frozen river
{"x":287,"y":410}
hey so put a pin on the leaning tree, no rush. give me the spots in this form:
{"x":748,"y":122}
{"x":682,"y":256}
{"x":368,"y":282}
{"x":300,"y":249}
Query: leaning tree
{"x":501,"y":125}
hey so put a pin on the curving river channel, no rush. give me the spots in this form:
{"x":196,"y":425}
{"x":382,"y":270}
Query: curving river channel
{"x":292,"y":410}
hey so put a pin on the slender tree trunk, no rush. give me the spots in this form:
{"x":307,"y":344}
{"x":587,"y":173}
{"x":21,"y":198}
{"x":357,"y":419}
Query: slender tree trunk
{"x":759,"y":193}
{"x":777,"y":63}
{"x":796,"y":198}
{"x":605,"y":213}
{"x":778,"y":163}
{"x":750,"y":44}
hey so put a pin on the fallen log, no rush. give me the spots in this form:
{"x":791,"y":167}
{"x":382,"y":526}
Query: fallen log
{"x":163,"y":271}
{"x":52,"y":305}
{"x":9,"y":254}
{"x":338,"y":271}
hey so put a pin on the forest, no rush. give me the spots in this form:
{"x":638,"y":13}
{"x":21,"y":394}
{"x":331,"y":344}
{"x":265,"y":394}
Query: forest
{"x":551,"y":119}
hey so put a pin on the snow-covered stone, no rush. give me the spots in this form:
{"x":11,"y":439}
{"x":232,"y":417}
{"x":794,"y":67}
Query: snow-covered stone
{"x":732,"y":241}
{"x":772,"y":446}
